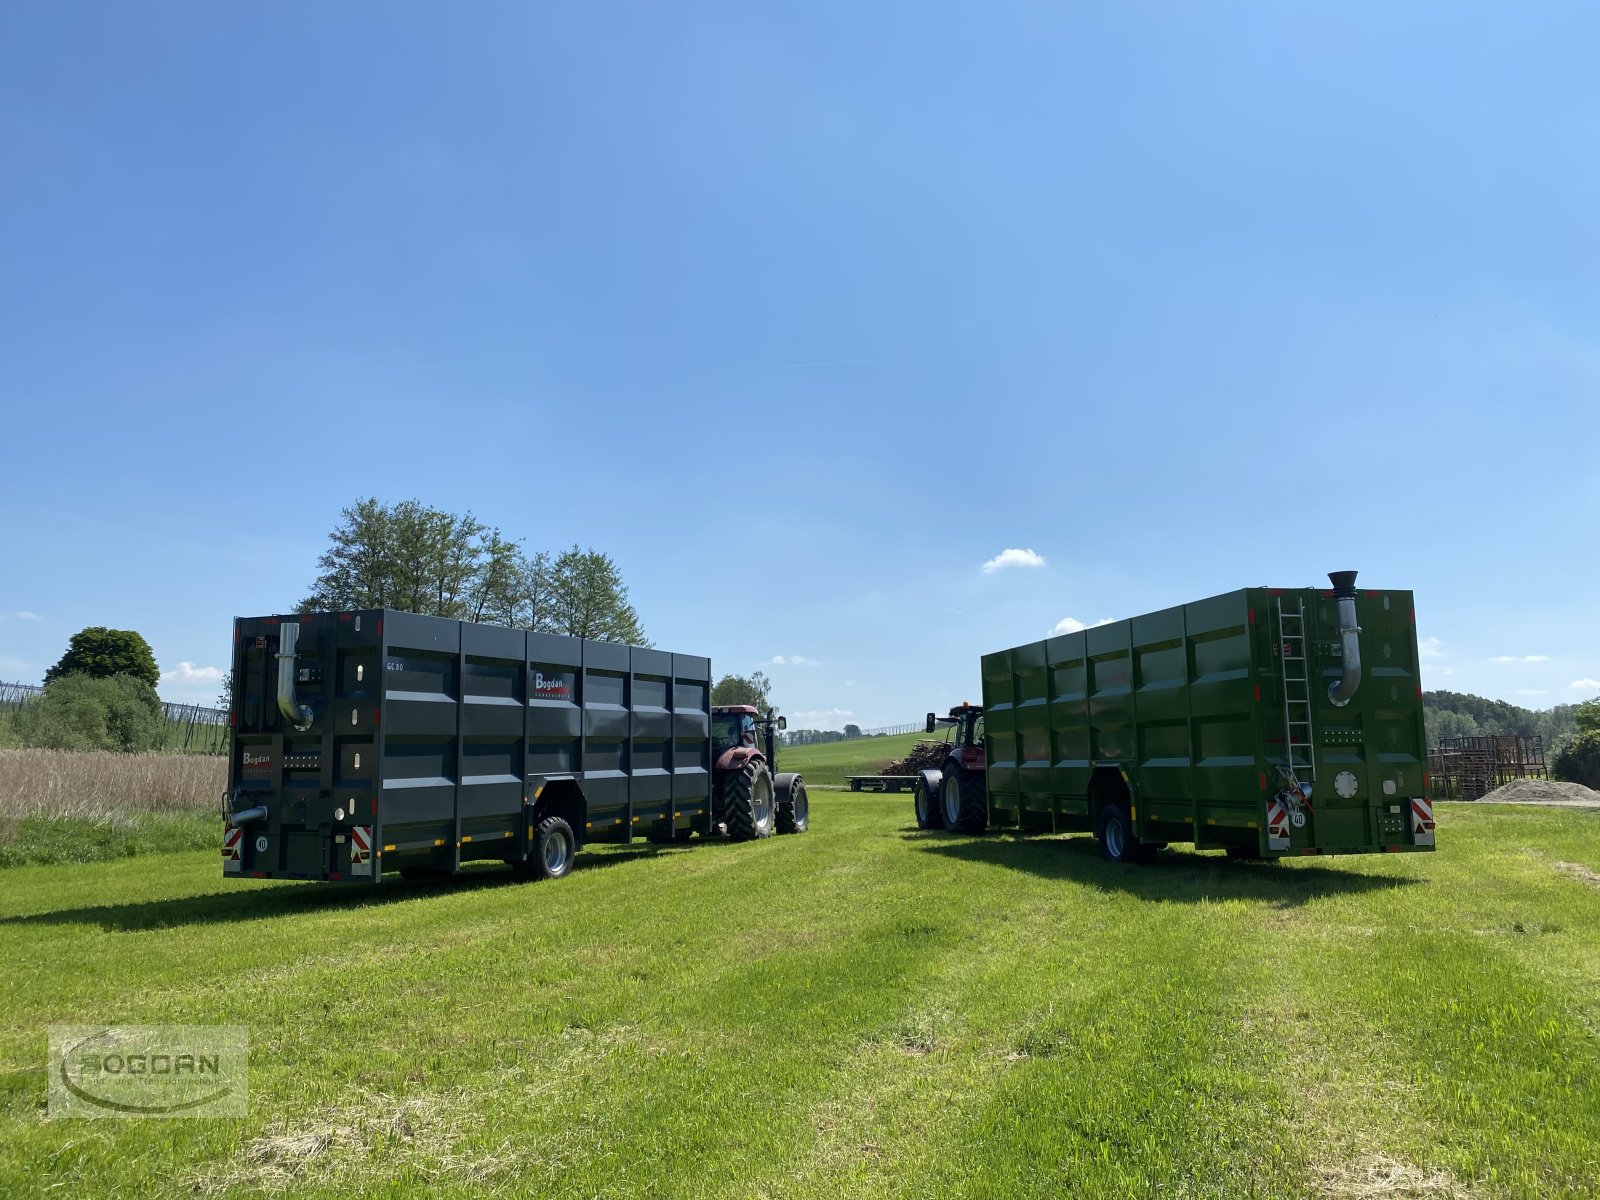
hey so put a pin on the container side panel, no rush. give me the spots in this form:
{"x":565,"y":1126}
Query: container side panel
{"x":691,"y":733}
{"x":1161,"y":706}
{"x":1000,"y":732}
{"x":1111,"y":711}
{"x":1223,"y":705}
{"x":1032,"y":724}
{"x":1068,"y":662}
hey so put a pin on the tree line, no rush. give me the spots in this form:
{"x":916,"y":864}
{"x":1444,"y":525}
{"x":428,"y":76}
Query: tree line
{"x":1460,"y":714}
{"x":425,"y":560}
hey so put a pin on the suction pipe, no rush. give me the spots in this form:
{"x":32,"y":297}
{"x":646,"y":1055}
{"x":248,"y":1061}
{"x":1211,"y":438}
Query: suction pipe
{"x":1344,"y":590}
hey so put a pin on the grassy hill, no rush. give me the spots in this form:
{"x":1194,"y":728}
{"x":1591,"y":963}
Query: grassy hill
{"x":913,"y":1015}
{"x":832,"y":762}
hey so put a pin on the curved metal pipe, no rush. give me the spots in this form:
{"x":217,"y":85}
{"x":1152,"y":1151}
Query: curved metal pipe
{"x":297,"y":715}
{"x":245,"y":816}
{"x":1342,"y":689}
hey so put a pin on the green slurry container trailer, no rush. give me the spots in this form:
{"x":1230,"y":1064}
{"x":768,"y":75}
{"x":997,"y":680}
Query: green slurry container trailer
{"x":1264,"y":722}
{"x":373,"y":741}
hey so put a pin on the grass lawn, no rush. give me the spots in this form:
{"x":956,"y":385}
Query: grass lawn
{"x":830,"y":763}
{"x":862,"y":1011}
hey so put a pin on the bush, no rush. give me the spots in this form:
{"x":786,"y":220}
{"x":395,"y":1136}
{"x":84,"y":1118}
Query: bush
{"x":1577,"y":760}
{"x":80,"y":712}
{"x":103,"y":652}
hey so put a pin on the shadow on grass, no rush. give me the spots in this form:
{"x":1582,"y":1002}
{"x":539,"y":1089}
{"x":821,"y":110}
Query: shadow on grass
{"x":256,"y":903}
{"x":1174,"y":875}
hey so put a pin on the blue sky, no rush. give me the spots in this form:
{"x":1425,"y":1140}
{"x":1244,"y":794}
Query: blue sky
{"x":805,"y":313}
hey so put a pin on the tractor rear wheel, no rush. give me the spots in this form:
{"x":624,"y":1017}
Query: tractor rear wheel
{"x":794,"y":809}
{"x":966,"y":808}
{"x":747,"y":807}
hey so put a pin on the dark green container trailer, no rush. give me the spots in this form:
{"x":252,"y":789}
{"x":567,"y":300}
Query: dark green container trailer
{"x":1264,"y":722}
{"x":373,"y":741}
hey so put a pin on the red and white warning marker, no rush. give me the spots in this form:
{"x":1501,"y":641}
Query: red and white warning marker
{"x":1277,"y":824}
{"x":1422,"y":822}
{"x":233,"y":849}
{"x":361,"y":849}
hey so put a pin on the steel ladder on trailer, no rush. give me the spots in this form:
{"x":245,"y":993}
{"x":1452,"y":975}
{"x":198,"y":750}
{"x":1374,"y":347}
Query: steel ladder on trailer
{"x":1299,"y":743}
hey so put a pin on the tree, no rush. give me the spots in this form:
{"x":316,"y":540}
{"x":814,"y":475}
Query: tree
{"x":86,"y":712}
{"x":424,"y":560}
{"x":1578,"y":759}
{"x":852,"y":731}
{"x":1586,"y":717}
{"x":586,"y":598}
{"x":407,"y":556}
{"x":101,"y":653}
{"x":738,"y":689}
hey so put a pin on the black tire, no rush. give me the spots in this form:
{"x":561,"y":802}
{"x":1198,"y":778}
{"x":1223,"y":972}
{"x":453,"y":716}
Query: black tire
{"x":1118,"y":843}
{"x":964,"y":805}
{"x":794,"y":809}
{"x":747,"y":803}
{"x":550,"y":857}
{"x":926,"y":804}
{"x":855,"y":785}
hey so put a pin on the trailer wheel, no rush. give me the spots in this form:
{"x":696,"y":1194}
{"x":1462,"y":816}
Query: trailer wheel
{"x":963,"y":800}
{"x":1118,"y":843}
{"x":926,"y":803}
{"x":552,"y":852}
{"x":794,"y":808}
{"x":747,"y":807}
{"x":855,"y":785}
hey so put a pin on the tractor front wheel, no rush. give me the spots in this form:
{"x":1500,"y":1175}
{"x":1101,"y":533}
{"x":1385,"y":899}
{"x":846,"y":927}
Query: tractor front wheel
{"x":926,"y":803}
{"x":747,"y":806}
{"x":794,"y":809}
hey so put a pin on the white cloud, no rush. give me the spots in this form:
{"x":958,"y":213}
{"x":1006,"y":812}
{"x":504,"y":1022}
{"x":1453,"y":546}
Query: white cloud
{"x":820,"y":718}
{"x":1430,"y":647}
{"x":187,"y":672}
{"x":1513,"y":658}
{"x":791,"y":660}
{"x":1073,"y":625}
{"x":1592,"y":685}
{"x":1531,"y":692}
{"x":1012,"y":558}
{"x":850,"y":683}
{"x":21,"y":615}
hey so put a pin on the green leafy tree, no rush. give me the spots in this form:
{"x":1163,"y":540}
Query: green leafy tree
{"x":405,"y":556}
{"x":852,"y":731}
{"x":86,"y":712}
{"x":1586,"y":717}
{"x":101,"y":653}
{"x":1578,"y":760}
{"x":424,"y":560}
{"x":586,"y":598}
{"x":754,"y":689}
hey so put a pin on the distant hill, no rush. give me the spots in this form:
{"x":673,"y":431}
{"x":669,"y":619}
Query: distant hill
{"x":1458,"y":714}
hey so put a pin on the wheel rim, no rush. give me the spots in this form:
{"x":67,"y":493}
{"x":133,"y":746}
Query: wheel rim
{"x":1115,"y":841}
{"x":922,"y":804}
{"x":802,"y":808}
{"x":556,"y":853}
{"x":761,"y":801}
{"x":952,"y":800}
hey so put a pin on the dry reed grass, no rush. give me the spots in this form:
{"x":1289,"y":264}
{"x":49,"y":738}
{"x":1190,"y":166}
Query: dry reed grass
{"x":95,"y":785}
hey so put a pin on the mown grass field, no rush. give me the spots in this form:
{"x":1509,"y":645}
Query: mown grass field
{"x":830,"y":763}
{"x":864,"y":1011}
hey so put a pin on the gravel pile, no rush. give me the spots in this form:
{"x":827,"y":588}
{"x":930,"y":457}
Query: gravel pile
{"x":1542,"y":791}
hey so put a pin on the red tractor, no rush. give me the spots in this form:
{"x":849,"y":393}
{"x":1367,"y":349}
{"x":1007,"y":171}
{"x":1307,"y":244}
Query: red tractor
{"x":748,"y":799}
{"x":954,"y":797}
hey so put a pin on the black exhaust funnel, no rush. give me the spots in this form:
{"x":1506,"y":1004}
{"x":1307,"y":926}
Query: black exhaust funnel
{"x":1344,"y":584}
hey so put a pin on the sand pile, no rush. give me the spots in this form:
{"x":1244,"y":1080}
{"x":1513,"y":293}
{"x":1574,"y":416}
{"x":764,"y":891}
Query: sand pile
{"x":1542,"y":791}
